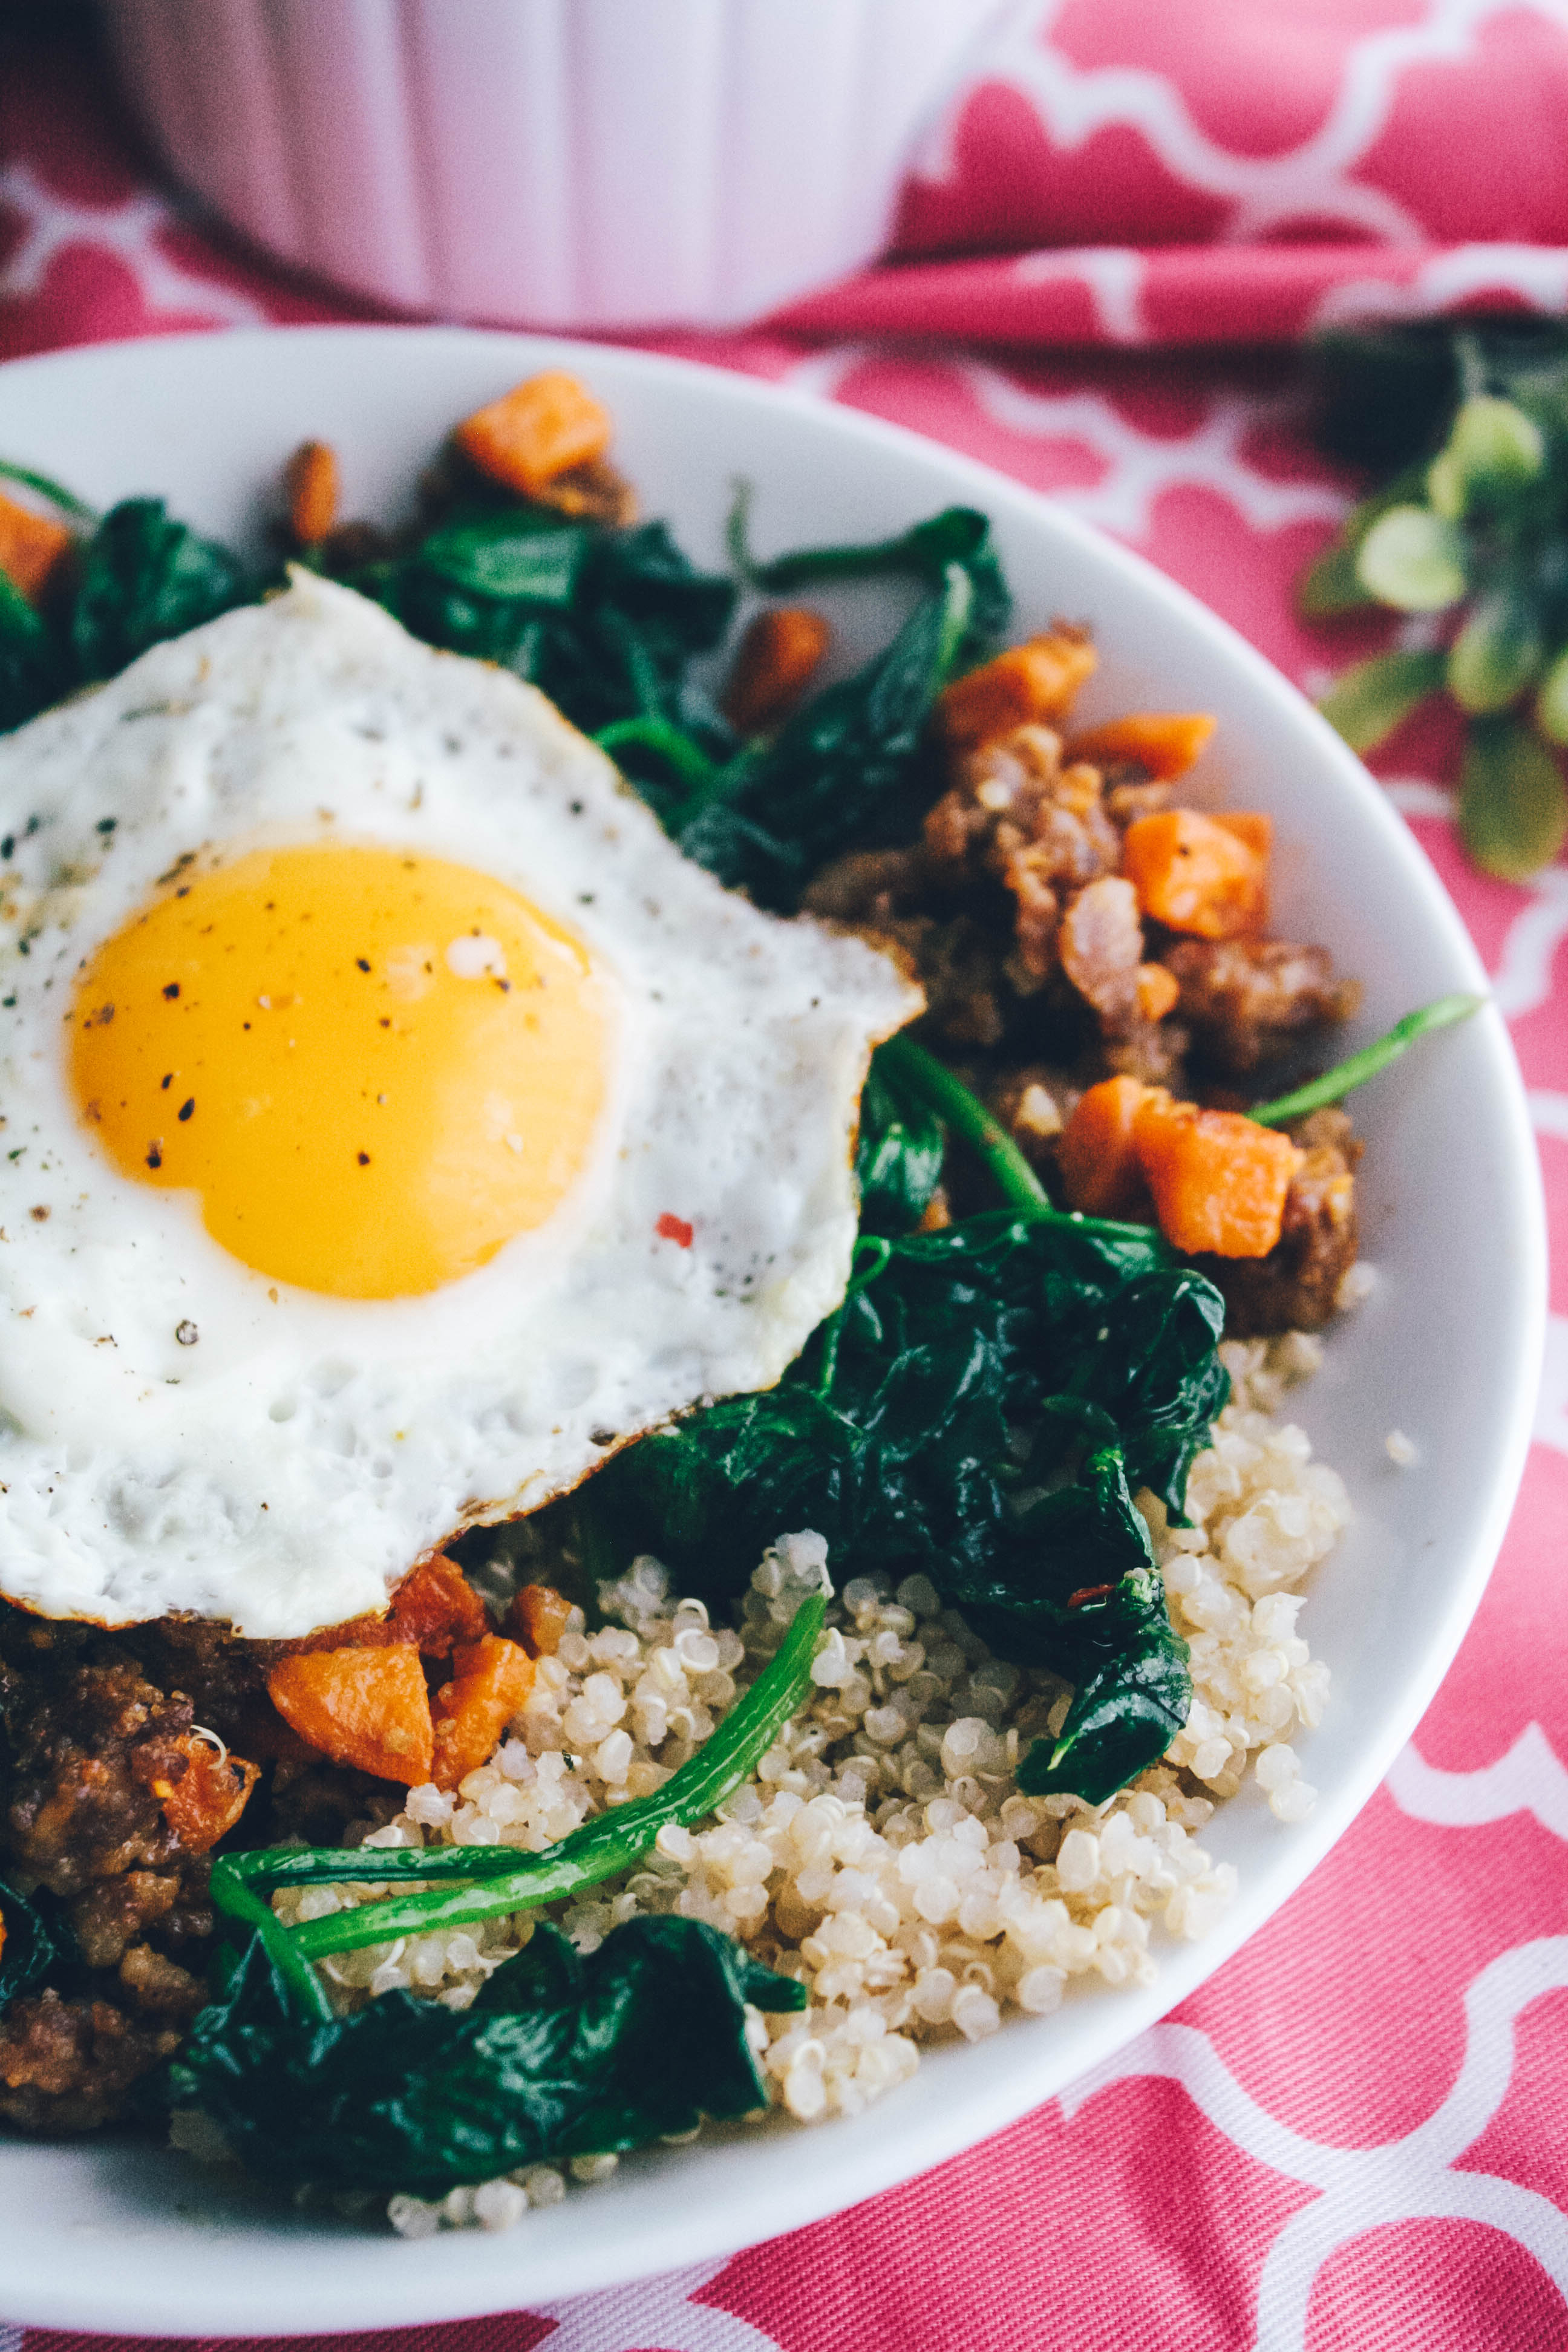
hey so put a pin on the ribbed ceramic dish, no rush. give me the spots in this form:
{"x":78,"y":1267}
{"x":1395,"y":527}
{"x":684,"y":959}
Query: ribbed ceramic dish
{"x":127,"y":2236}
{"x":549,"y":163}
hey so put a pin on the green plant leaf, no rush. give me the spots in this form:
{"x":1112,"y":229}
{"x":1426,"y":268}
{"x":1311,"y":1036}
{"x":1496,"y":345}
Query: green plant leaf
{"x":559,"y":2056}
{"x":1413,"y":560}
{"x":1513,"y":809}
{"x":1493,"y":452}
{"x":1552,"y":701}
{"x":1497,"y":655}
{"x":1332,"y":585}
{"x":1368,"y":701}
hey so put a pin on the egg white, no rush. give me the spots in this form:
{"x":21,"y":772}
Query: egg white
{"x":284,"y":1470}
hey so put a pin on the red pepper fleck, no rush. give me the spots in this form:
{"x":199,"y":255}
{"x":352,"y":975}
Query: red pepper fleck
{"x":1089,"y":1592}
{"x":675,"y":1229}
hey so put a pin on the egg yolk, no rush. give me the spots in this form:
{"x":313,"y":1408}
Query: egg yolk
{"x":374,"y":1069}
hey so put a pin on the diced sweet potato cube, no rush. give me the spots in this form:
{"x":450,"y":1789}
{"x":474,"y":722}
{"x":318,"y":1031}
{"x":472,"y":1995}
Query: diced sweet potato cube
{"x":210,"y":1795}
{"x":1158,"y":990}
{"x":367,"y":1708}
{"x":1034,"y":682}
{"x":311,"y":481}
{"x":775,"y":663}
{"x":436,"y":1608}
{"x":1250,"y":825}
{"x":1197,"y":873}
{"x":1163,"y":743}
{"x":31,"y":546}
{"x":1096,"y":1155}
{"x":547,"y":426}
{"x":1220,"y":1179}
{"x":490,"y":1683}
{"x":539,"y":1615}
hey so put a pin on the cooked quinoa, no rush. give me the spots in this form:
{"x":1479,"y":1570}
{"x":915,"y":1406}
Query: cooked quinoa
{"x":880,"y":1852}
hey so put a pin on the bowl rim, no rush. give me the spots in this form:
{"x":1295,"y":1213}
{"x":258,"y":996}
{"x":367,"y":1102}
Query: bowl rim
{"x":472,"y":2273}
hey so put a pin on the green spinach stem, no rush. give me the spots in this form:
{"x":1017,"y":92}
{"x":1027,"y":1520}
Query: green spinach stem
{"x":965,"y":1114}
{"x":668,"y":742}
{"x":58,"y":496}
{"x":1359,"y":1068}
{"x":233,"y":1894}
{"x":497,"y":1881}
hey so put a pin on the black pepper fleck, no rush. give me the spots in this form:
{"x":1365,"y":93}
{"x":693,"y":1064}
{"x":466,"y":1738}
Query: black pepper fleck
{"x":154,"y":1157}
{"x":364,"y":962}
{"x":364,"y":1159}
{"x":187,"y":1106}
{"x":172,"y":989}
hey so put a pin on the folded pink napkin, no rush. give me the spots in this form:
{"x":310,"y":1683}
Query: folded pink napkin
{"x":1231,"y":171}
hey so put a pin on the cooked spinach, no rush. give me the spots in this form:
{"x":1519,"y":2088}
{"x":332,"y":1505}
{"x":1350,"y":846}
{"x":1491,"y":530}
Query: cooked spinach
{"x":605,"y":622}
{"x":560,"y":2056}
{"x":900,"y":1154}
{"x":146,"y":577}
{"x":855,"y":765}
{"x":960,"y":535}
{"x":981,"y":1409}
{"x":28,"y":1948}
{"x":35,"y":663}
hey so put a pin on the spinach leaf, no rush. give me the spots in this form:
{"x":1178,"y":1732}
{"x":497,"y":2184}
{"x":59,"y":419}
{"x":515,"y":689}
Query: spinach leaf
{"x":981,"y":1409}
{"x":502,"y":557}
{"x":559,"y":2056}
{"x":854,"y":765}
{"x":146,"y":577}
{"x":605,"y":621}
{"x":28,"y":1948}
{"x":960,"y":535}
{"x":899,"y":1157}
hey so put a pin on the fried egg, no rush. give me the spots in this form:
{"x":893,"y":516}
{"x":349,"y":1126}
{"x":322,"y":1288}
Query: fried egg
{"x":395,"y":1121}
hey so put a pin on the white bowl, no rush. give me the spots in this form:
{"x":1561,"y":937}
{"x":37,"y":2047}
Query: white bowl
{"x":116,"y":2236}
{"x":549,"y":163}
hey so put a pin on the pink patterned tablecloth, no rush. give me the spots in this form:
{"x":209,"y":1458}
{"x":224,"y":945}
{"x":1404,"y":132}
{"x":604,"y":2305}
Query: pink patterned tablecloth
{"x":1354,"y":2138}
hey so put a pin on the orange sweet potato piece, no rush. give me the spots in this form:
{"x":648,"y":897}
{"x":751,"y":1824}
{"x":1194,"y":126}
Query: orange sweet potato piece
{"x":31,"y":547}
{"x":1033,"y":682}
{"x":490,"y":1683}
{"x":1097,"y":1156}
{"x":1196,"y":874}
{"x":310,"y":481}
{"x":1158,"y":989}
{"x":1163,"y":743}
{"x":210,"y":1795}
{"x":1220,"y":1179}
{"x":546,"y":427}
{"x":367,"y":1708}
{"x":1250,"y":825}
{"x":775,"y":663}
{"x":436,"y":1608}
{"x":539,"y":1615}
